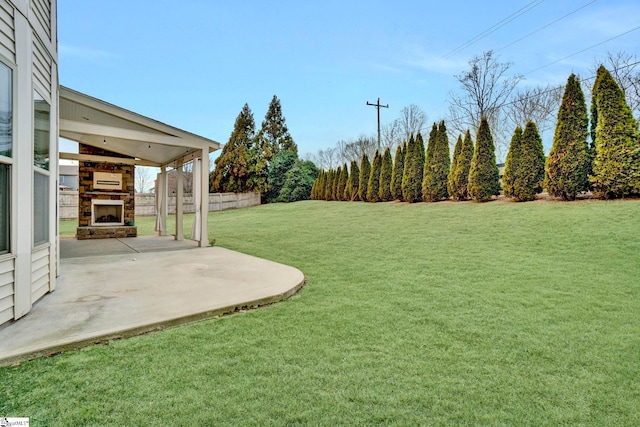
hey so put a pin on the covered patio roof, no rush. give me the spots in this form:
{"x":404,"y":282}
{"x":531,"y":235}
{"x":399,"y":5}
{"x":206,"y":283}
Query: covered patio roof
{"x":94,"y":122}
{"x":148,"y":142}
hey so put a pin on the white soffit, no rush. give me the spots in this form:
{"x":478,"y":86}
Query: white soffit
{"x":94,"y":122}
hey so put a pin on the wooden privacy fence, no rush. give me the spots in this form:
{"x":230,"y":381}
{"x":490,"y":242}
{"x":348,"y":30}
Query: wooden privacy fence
{"x":146,"y":203}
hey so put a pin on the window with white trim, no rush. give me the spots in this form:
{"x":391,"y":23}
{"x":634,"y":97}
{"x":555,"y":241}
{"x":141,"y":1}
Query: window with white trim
{"x":6,"y":145}
{"x":41,"y":145}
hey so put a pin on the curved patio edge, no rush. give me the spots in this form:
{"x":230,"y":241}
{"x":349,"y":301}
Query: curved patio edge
{"x":102,"y":298}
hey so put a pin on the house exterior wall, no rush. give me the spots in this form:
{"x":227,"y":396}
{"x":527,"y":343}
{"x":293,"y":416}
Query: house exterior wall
{"x":28,"y":46}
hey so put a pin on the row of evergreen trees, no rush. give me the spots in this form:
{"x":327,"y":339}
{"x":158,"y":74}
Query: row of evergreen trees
{"x":610,"y":167}
{"x":418,"y":175}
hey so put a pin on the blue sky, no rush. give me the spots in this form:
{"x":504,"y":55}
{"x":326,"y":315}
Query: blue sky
{"x":194,"y":63}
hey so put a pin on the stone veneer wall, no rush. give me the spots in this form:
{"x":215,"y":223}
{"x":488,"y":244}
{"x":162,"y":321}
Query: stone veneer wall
{"x":85,"y":186}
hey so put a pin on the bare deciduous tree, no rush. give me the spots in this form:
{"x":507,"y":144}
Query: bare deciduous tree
{"x":143,"y":179}
{"x":326,"y":159}
{"x":391,"y":135}
{"x":187,"y":177}
{"x":411,"y":120}
{"x":361,"y":145}
{"x":539,"y":104}
{"x":486,"y":88}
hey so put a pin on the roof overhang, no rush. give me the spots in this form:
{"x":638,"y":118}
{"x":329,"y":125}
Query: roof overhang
{"x":148,"y":142}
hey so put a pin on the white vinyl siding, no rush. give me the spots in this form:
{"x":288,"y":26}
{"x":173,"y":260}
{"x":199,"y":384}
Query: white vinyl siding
{"x":6,"y":290}
{"x":41,"y":66}
{"x":42,"y":11}
{"x":7,"y":31}
{"x":39,"y":273}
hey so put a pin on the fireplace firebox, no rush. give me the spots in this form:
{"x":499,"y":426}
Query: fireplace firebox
{"x":107,"y":212}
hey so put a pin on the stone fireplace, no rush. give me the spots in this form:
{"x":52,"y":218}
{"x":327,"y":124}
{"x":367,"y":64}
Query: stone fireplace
{"x":106,"y":208}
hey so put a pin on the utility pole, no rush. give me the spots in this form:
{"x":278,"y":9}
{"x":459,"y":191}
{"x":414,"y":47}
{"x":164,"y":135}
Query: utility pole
{"x":378,"y":106}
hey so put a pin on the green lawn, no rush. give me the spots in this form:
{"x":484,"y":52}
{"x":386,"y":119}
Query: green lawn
{"x":447,"y":313}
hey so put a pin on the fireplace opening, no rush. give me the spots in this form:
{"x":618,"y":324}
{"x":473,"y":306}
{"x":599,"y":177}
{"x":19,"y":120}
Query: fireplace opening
{"x":107,"y":212}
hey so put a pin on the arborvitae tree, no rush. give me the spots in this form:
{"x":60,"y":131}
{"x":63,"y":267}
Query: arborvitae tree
{"x":322,"y":191}
{"x":569,"y":162}
{"x":386,"y":173}
{"x":616,"y":165}
{"x":461,"y":177}
{"x":363,"y":180}
{"x":398,"y":169}
{"x":274,"y":134}
{"x":342,"y":182}
{"x":235,"y":168}
{"x":413,"y":170}
{"x":512,"y":163}
{"x":530,"y":173}
{"x":436,"y":168}
{"x":316,"y":185}
{"x":451,"y":183}
{"x":408,"y":157}
{"x":594,"y":119}
{"x":484,"y":176}
{"x":373,"y":188}
{"x":431,"y":143}
{"x":351,"y":192}
{"x":328,"y":193}
{"x":336,"y":182}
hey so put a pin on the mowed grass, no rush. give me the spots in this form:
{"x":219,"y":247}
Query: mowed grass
{"x":423,"y":314}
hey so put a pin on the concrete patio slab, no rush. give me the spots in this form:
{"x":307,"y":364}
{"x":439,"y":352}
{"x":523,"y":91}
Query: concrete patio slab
{"x":72,"y":248}
{"x":102,"y":297}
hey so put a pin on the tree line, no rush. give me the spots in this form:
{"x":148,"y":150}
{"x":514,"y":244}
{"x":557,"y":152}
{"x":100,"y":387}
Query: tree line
{"x":609,"y":166}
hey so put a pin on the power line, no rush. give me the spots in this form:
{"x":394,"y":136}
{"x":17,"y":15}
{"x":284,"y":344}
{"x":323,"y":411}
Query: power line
{"x":583,"y":50}
{"x":545,"y":26}
{"x":496,"y":26}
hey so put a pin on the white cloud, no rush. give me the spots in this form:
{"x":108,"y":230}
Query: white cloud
{"x":417,"y":57}
{"x":85,"y":53}
{"x":609,"y":21}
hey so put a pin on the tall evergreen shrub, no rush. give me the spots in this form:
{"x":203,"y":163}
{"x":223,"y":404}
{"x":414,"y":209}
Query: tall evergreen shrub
{"x":512,"y":163}
{"x":616,"y":165}
{"x":373,"y":188}
{"x":351,"y":192}
{"x":530,"y":173}
{"x":461,"y":176}
{"x":385,"y":176}
{"x":363,"y":180}
{"x":413,"y":170}
{"x":569,"y":162}
{"x":436,"y":168}
{"x":342,"y":182}
{"x":451,"y":183}
{"x":484,"y":177}
{"x":398,"y":169}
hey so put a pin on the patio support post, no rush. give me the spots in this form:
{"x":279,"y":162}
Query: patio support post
{"x":179,"y":202}
{"x":164,"y":206}
{"x":204,"y":198}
